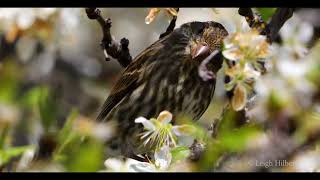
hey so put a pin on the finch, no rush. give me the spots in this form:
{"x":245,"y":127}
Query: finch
{"x":165,"y":76}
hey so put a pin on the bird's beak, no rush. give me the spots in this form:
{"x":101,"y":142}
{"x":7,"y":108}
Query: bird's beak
{"x":200,"y":50}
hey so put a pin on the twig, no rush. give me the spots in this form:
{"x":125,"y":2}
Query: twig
{"x":277,"y":21}
{"x":171,"y":26}
{"x":196,"y":151}
{"x":119,"y":51}
{"x":254,"y":21}
{"x":273,"y":27}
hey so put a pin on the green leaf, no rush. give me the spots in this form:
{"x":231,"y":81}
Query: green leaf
{"x":210,"y":157}
{"x":9,"y":80}
{"x":179,"y":153}
{"x":3,"y":136}
{"x":229,"y":139}
{"x":67,"y":128}
{"x":72,"y":141}
{"x":236,"y":140}
{"x":7,"y":154}
{"x":276,"y":102}
{"x":227,"y":122}
{"x":309,"y":127}
{"x":67,"y":138}
{"x":87,"y":158}
{"x":313,"y":75}
{"x":47,"y":109}
{"x":266,"y":13}
{"x":32,"y":97}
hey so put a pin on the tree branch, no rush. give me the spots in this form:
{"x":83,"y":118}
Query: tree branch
{"x":119,"y":51}
{"x":277,"y":21}
{"x":271,"y":29}
{"x":171,"y":26}
{"x":254,"y":21}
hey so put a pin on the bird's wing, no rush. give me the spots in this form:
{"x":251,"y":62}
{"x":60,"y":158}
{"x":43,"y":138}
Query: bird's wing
{"x":129,"y":79}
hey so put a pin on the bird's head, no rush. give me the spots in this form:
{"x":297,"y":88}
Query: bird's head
{"x":205,"y":37}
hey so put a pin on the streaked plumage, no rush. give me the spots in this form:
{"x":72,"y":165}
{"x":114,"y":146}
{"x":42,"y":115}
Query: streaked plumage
{"x":164,"y":77}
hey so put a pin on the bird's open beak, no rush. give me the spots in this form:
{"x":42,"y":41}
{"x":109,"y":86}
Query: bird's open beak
{"x":200,"y":50}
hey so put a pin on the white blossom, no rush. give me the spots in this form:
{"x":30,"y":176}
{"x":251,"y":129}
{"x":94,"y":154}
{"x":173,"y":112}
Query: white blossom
{"x":161,"y":132}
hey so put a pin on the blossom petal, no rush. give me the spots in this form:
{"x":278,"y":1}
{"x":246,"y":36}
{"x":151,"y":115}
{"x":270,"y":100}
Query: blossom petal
{"x":239,"y":98}
{"x":228,"y":43}
{"x":183,"y":130}
{"x":304,"y":34}
{"x":146,"y":123}
{"x":289,"y":68}
{"x":142,"y":167}
{"x":113,"y":164}
{"x":172,"y":11}
{"x":247,"y":45}
{"x":257,"y":40}
{"x":137,"y":166}
{"x":103,"y":131}
{"x":152,"y":15}
{"x":163,"y":158}
{"x":233,"y":54}
{"x":165,"y":117}
{"x":245,"y":26}
{"x":26,"y":159}
{"x":250,"y":72}
{"x":186,"y":141}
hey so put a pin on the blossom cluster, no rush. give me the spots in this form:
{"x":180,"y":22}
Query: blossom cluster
{"x":246,"y":53}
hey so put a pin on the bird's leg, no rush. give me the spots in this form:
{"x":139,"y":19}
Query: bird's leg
{"x":117,"y":50}
{"x":171,"y":26}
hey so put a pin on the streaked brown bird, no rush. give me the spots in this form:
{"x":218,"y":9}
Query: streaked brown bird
{"x":165,"y":76}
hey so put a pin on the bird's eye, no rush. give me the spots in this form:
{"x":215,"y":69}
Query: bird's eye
{"x":200,"y":31}
{"x":198,"y":27}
